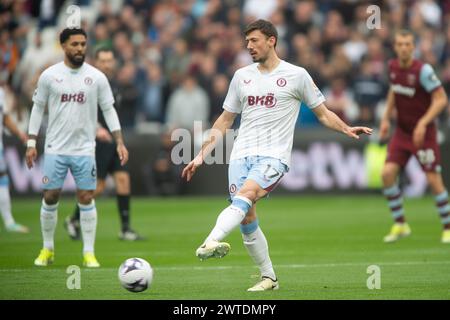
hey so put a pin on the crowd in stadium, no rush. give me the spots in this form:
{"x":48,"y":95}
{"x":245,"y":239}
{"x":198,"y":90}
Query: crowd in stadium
{"x":176,"y":58}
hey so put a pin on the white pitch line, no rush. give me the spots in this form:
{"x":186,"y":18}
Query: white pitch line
{"x":320,"y":265}
{"x":288,"y":266}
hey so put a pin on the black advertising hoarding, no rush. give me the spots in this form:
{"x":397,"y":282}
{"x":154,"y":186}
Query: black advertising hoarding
{"x":322,"y":162}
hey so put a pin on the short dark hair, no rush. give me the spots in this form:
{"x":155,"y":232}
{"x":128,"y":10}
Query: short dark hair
{"x":266,"y":28}
{"x":103,"y":49}
{"x":67,"y":32}
{"x":404,"y":33}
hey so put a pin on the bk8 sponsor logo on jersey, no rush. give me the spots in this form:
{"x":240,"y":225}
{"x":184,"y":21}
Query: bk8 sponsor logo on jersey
{"x":79,"y":97}
{"x":268,"y":101}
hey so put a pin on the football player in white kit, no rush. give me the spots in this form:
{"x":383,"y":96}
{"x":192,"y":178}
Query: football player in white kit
{"x":72,"y":90}
{"x":5,"y":200}
{"x":267,"y":94}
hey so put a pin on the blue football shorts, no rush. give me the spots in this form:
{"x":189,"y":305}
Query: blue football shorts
{"x":83,"y":169}
{"x":265,"y":171}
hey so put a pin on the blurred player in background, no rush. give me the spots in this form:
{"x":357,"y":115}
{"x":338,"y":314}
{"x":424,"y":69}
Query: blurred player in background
{"x":108,"y":161}
{"x":418,"y":97}
{"x":72,"y":90}
{"x":5,"y":201}
{"x":268,"y":94}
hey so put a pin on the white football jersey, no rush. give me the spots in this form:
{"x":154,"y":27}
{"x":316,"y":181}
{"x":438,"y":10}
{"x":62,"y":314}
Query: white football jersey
{"x":72,"y":97}
{"x":2,"y":113}
{"x":269,"y":104}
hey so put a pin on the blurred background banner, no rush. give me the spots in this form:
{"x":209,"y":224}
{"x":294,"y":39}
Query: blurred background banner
{"x":321,"y":161}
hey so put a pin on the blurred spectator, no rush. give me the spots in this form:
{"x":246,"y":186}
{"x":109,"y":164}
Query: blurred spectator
{"x":369,"y":91}
{"x":340,"y":100}
{"x":47,"y":12}
{"x":430,"y":11}
{"x":37,"y":55}
{"x":128,"y":95}
{"x":219,"y":91}
{"x":377,"y":56}
{"x":187,"y":104}
{"x":101,"y":37}
{"x":256,"y":9}
{"x":205,"y":72}
{"x":9,"y":55}
{"x":355,"y":47}
{"x":153,"y":104}
{"x":335,"y":32}
{"x":165,"y":176}
{"x":177,"y":61}
{"x":302,"y":18}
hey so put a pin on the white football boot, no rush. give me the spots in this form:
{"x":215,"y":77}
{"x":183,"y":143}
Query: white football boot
{"x":212,"y":249}
{"x":264,"y":285}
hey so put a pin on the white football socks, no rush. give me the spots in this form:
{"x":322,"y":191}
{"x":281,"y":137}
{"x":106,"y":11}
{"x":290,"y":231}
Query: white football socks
{"x":258,"y":249}
{"x":88,"y":223}
{"x":49,"y":217}
{"x":5,"y":206}
{"x":230,"y":218}
{"x":227,"y":220}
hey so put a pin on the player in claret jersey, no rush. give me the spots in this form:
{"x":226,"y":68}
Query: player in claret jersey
{"x":71,"y":90}
{"x":267,"y":94}
{"x":418,"y":97}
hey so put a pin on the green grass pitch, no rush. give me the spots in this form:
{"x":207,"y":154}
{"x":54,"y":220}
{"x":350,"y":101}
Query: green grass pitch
{"x":321,"y":247}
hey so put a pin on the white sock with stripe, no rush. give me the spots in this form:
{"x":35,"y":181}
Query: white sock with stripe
{"x":257,"y":247}
{"x":49,"y":218}
{"x":230,"y":218}
{"x":88,"y":224}
{"x":394,"y":197}
{"x":443,"y":208}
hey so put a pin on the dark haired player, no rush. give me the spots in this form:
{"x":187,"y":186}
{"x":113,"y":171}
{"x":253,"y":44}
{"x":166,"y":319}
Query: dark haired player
{"x":71,"y":90}
{"x":418,"y":97}
{"x":267,"y":93}
{"x":108,"y":161}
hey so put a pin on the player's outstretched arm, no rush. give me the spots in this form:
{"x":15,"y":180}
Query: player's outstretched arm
{"x":329,"y":119}
{"x":224,"y":122}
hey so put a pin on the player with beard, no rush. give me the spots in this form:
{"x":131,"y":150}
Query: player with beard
{"x":108,"y":161}
{"x":71,"y":90}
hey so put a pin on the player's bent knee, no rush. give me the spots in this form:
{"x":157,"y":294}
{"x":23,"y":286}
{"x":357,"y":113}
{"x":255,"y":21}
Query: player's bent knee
{"x":51,"y":197}
{"x":388,"y":176}
{"x":85,"y":197}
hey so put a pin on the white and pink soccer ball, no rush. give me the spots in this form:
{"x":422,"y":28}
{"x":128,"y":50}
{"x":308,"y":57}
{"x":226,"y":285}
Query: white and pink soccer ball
{"x":135,"y":274}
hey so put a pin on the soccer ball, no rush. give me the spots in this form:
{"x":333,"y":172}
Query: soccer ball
{"x":135,"y":274}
